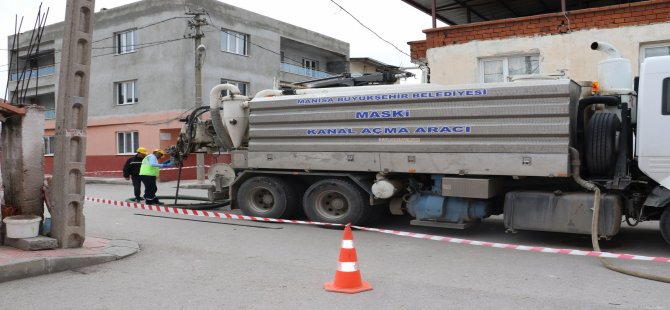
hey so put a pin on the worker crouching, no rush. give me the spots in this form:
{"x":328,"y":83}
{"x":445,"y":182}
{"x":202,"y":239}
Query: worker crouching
{"x":149,"y":172}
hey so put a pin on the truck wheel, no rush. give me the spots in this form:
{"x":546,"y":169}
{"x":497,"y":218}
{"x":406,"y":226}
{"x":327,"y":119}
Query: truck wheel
{"x":335,"y":201}
{"x":664,"y":224}
{"x":601,"y":135}
{"x":267,"y":197}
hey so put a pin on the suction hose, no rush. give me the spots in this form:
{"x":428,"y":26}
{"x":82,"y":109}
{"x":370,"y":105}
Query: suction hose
{"x":576,"y":166}
{"x":207,"y":205}
{"x":268,"y":93}
{"x":222,"y":138}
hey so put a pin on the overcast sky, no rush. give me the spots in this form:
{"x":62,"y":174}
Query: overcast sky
{"x":393,"y":20}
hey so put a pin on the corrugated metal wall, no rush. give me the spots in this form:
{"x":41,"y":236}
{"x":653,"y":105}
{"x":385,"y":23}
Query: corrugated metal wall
{"x":519,"y":117}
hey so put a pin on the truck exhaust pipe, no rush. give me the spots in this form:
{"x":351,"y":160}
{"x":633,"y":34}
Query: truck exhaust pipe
{"x":606,"y":48}
{"x":614,"y":72}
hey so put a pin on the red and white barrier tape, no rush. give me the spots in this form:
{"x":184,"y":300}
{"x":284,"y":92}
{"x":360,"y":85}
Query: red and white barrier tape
{"x":201,"y":213}
{"x":223,"y":215}
{"x":162,"y":169}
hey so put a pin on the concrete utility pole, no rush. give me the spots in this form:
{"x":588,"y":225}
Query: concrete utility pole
{"x":67,"y":186}
{"x":195,"y":23}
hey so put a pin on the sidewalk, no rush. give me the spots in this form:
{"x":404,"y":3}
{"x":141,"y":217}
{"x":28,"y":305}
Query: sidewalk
{"x":18,"y":264}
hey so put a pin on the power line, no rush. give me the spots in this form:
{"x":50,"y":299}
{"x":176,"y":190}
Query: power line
{"x":134,"y":46}
{"x":145,"y":26}
{"x":373,"y":32}
{"x":138,"y":28}
{"x":147,"y":45}
{"x":252,"y":43}
{"x":221,"y":29}
{"x":109,"y":37}
{"x":150,"y":44}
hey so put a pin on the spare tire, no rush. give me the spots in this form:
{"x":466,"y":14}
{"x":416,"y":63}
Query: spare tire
{"x":601,"y":144}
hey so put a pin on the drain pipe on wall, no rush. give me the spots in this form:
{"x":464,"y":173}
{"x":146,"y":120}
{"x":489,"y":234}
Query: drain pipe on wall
{"x":575,"y":163}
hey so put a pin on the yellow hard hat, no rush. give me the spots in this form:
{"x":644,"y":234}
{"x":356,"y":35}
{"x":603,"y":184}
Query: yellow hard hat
{"x":159,"y":151}
{"x":142,"y":150}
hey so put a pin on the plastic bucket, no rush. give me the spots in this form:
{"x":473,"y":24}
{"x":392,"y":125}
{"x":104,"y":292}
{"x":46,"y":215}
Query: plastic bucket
{"x":22,"y":226}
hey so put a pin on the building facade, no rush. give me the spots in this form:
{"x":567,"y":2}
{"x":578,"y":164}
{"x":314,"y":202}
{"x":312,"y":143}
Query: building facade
{"x":493,"y":42}
{"x":142,"y":73}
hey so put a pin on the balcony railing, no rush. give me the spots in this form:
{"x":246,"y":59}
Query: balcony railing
{"x":302,"y":71}
{"x":48,"y":70}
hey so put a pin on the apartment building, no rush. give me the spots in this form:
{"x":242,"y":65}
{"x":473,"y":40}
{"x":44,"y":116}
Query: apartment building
{"x":142,"y":73}
{"x":491,"y":41}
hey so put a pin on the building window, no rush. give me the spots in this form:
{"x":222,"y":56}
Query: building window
{"x":654,"y":50}
{"x":242,"y":86}
{"x":126,"y":92}
{"x":127,"y":142}
{"x":310,"y":64}
{"x":500,"y":69}
{"x":49,"y":145}
{"x":124,"y":42}
{"x":234,"y":42}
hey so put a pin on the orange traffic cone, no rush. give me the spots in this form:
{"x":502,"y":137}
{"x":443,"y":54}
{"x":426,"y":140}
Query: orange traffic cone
{"x":347,"y":277}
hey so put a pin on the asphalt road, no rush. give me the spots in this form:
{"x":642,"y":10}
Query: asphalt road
{"x":187,"y":264}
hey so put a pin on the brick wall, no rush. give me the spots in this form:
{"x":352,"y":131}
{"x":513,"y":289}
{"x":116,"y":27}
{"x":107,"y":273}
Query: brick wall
{"x":418,"y":49}
{"x":111,"y":166}
{"x":632,"y":14}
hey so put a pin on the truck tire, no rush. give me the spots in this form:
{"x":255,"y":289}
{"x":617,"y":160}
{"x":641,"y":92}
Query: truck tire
{"x":664,"y":225}
{"x":601,"y":135}
{"x":335,"y":201}
{"x":267,"y":197}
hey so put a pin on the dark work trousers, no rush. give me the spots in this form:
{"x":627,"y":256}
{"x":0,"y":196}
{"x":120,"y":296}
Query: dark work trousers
{"x":137,"y":186}
{"x":150,"y":188}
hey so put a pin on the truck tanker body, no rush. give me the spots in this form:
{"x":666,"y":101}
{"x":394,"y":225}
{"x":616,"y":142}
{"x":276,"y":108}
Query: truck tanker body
{"x":450,"y":156}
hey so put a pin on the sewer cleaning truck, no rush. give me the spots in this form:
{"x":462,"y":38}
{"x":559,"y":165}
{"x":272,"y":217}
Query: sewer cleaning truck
{"x":450,"y":156}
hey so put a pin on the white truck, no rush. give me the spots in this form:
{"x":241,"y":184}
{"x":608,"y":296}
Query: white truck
{"x":450,"y":156}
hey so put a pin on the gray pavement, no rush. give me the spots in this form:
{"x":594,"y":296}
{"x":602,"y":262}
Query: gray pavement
{"x":225,"y":264}
{"x":18,"y":264}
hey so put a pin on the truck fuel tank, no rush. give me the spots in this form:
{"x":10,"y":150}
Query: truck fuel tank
{"x":561,"y":212}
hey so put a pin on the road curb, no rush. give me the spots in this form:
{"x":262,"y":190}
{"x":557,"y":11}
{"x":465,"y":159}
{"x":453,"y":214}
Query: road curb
{"x":116,"y":181}
{"x":16,"y":264}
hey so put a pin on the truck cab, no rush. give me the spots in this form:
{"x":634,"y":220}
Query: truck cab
{"x":653,"y":126}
